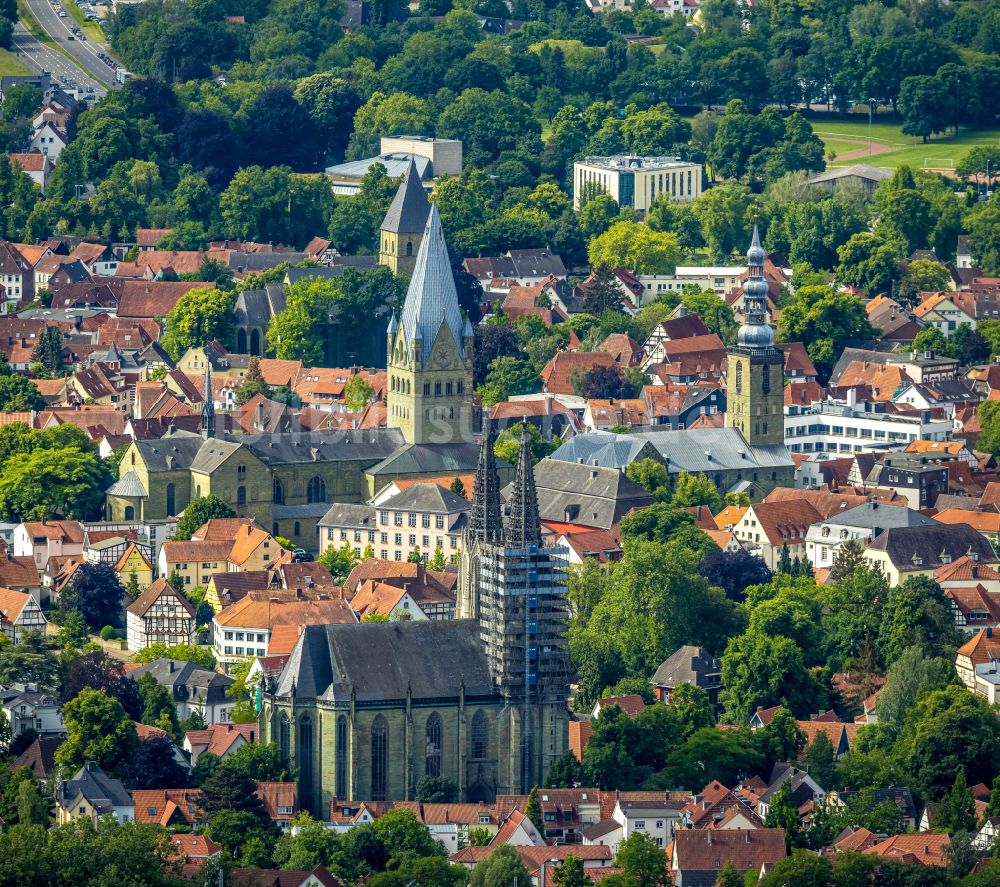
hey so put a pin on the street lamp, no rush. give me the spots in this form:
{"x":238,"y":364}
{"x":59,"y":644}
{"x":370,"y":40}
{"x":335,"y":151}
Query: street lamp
{"x":871,"y":110}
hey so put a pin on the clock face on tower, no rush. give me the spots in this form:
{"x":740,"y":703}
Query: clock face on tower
{"x":441,"y":356}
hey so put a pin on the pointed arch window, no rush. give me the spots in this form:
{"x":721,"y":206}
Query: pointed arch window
{"x":765,"y":379}
{"x":341,"y":787}
{"x":380,"y":759}
{"x":283,"y":734}
{"x":432,"y":754}
{"x":316,"y":491}
{"x":479,"y":736}
{"x":305,"y":760}
{"x":739,"y":377}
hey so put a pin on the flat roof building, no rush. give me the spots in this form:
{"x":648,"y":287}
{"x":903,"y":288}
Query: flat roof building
{"x":635,"y":182}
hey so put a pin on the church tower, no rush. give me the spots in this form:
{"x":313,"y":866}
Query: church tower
{"x":429,"y":394}
{"x":515,"y":588}
{"x":208,"y":406}
{"x":755,"y":373}
{"x":403,"y":225}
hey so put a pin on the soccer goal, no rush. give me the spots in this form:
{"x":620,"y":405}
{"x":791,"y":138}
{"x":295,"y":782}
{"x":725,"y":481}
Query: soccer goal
{"x":939,"y":163}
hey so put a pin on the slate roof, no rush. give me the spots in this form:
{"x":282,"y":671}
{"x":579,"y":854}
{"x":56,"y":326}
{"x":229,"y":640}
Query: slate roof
{"x":127,"y":485}
{"x":690,"y":665}
{"x":460,"y":458}
{"x":875,"y":516}
{"x":427,"y":497}
{"x":206,"y":683}
{"x":584,"y":494}
{"x":356,"y":445}
{"x":382,"y":661}
{"x":39,"y":757}
{"x":684,"y":450}
{"x":929,"y":543}
{"x":176,"y":452}
{"x":407,"y":214}
{"x":97,"y":787}
{"x":431,"y":298}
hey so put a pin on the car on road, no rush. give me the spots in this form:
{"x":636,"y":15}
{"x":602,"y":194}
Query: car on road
{"x":71,"y":37}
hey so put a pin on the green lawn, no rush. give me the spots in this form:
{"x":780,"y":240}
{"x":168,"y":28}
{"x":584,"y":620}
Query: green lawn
{"x":91,"y":29}
{"x":943,"y":151}
{"x":11,"y":65}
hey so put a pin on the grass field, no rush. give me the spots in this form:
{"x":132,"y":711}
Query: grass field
{"x":10,"y":65}
{"x":942,"y":151}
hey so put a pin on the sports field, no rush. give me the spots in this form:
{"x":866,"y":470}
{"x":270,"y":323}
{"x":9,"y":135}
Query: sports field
{"x":889,"y":147}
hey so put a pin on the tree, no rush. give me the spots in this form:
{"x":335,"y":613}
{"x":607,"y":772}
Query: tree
{"x":917,"y":612}
{"x":97,"y":729}
{"x":759,"y":669}
{"x":231,"y":789}
{"x":652,"y":476}
{"x":642,"y":861}
{"x":184,"y":652}
{"x":825,"y":320}
{"x":339,"y":561}
{"x":924,"y":105}
{"x":153,"y":765}
{"x":66,"y":481}
{"x":636,"y":247}
{"x":457,"y":487}
{"x":48,"y":351}
{"x":199,"y":317}
{"x":533,"y":810}
{"x":28,"y":661}
{"x":508,"y":443}
{"x":96,"y":593}
{"x":198,"y":511}
{"x":158,"y":709}
{"x":436,"y":790}
{"x":734,"y":572}
{"x":261,"y":762}
{"x":508,"y":376}
{"x":32,"y":808}
{"x":502,"y":868}
{"x":358,"y":393}
{"x":868,"y":262}
{"x":691,"y":490}
{"x":722,"y":213}
{"x":571,"y":873}
{"x":924,"y":275}
{"x":819,"y":761}
{"x":783,"y":813}
{"x":850,"y":554}
{"x":603,"y":291}
{"x":438,"y":561}
{"x":73,"y":633}
{"x":957,"y":810}
{"x":603,"y":382}
{"x":946,"y":731}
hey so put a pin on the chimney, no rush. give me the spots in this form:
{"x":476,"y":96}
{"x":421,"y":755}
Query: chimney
{"x":170,"y":666}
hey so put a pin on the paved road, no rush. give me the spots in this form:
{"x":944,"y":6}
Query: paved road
{"x":84,"y":51}
{"x":40,"y":57}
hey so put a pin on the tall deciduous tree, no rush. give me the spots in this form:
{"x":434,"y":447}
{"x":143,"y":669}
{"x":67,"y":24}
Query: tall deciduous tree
{"x":198,"y":511}
{"x":97,"y":729}
{"x":199,"y":316}
{"x":96,"y":592}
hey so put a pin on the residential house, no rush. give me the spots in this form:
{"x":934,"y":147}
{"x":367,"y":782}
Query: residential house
{"x":987,"y":523}
{"x":36,"y":165}
{"x":981,"y":649}
{"x":769,"y":528}
{"x":160,"y":615}
{"x":168,"y":807}
{"x":677,"y":406}
{"x":863,"y":522}
{"x":965,"y":572}
{"x":920,"y":478}
{"x":134,"y":562}
{"x":902,"y":552}
{"x":894,"y":322}
{"x":924,"y":848}
{"x":17,"y":277}
{"x":49,"y":139}
{"x":193,"y":688}
{"x":580,"y":544}
{"x":689,"y":665}
{"x":585,"y":495}
{"x":220,"y":740}
{"x":940,"y":310}
{"x":39,"y":758}
{"x":281,"y":802}
{"x":193,"y":561}
{"x":682,"y":326}
{"x":423,"y":516}
{"x":604,"y":414}
{"x":699,"y":855}
{"x":92,"y":794}
{"x":564,"y":373}
{"x":433,"y":592}
{"x":244,"y":629}
{"x":19,"y":613}
{"x":29,"y":708}
{"x":45,"y":539}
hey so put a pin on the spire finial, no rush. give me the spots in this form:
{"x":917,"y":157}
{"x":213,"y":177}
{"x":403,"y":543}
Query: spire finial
{"x":523,"y":525}
{"x":485,"y":523}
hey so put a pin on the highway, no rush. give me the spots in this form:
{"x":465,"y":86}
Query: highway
{"x":40,"y":57}
{"x":84,"y":51}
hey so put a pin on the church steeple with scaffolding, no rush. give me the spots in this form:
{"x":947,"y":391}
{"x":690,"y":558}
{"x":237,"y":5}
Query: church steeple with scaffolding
{"x":515,"y":588}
